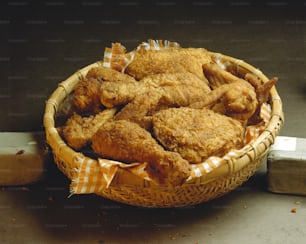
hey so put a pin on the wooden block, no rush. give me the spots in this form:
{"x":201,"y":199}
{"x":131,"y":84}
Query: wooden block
{"x":287,"y":166}
{"x":23,"y":157}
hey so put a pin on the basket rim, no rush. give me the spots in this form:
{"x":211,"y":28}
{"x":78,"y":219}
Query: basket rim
{"x":258,"y":148}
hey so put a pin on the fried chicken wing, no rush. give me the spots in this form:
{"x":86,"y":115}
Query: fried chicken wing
{"x":197,"y":134}
{"x":234,"y":96}
{"x":236,"y":100}
{"x":262,"y":93}
{"x":79,"y":130}
{"x":173,"y":60}
{"x":128,"y":142}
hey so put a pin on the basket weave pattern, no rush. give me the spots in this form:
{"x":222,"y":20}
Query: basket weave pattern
{"x":127,"y":188}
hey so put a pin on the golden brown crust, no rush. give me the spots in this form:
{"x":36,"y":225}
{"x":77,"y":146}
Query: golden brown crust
{"x":87,"y":96}
{"x":178,"y":88}
{"x":173,"y":60}
{"x":118,"y":93}
{"x":174,"y":94}
{"x":231,"y":95}
{"x":197,"y":134}
{"x":262,"y":93}
{"x":161,"y":91}
{"x":128,"y":142}
{"x":107,"y":74}
{"x":78,"y":131}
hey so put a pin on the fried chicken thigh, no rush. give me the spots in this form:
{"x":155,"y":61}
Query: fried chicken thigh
{"x":197,"y":134}
{"x":128,"y":142}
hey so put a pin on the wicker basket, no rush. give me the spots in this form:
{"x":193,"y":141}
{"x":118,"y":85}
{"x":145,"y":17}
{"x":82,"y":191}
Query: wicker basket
{"x":129,"y":189}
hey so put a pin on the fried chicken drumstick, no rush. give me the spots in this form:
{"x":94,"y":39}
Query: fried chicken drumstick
{"x":128,"y":142}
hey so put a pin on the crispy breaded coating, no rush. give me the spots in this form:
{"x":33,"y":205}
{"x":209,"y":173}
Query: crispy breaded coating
{"x":197,"y":134}
{"x":87,"y":92}
{"x":107,"y":74}
{"x":173,"y":60}
{"x":231,"y":95}
{"x":78,"y":131}
{"x":185,"y":87}
{"x":153,"y":93}
{"x":175,"y":108}
{"x":141,"y":108}
{"x":161,"y":91}
{"x":118,"y":93}
{"x":87,"y":96}
{"x":262,"y":93}
{"x":236,"y":100}
{"x":128,"y":142}
{"x":179,"y":89}
{"x":236,"y":97}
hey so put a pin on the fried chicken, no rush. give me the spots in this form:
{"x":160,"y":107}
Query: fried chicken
{"x":141,"y":108}
{"x":234,"y":96}
{"x":236,"y":100}
{"x":185,"y":87}
{"x":176,"y":108}
{"x":79,"y":130}
{"x":118,"y":93}
{"x":87,"y":96}
{"x":128,"y":142}
{"x":107,"y":74}
{"x":153,"y":93}
{"x":197,"y":134}
{"x":262,"y":93}
{"x":87,"y":92}
{"x":173,"y":60}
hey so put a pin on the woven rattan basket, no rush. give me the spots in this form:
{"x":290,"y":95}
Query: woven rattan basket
{"x":127,"y":188}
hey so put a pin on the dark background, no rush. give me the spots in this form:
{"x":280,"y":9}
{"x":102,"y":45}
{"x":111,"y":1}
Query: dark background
{"x":43,"y":42}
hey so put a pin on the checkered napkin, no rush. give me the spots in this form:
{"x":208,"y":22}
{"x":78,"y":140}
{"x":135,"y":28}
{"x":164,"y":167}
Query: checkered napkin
{"x":93,"y":176}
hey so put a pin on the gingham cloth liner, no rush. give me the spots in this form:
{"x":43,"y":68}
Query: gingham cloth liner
{"x":95,"y":175}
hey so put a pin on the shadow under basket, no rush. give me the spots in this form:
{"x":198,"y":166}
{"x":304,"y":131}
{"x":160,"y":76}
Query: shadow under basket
{"x":125,"y":187}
